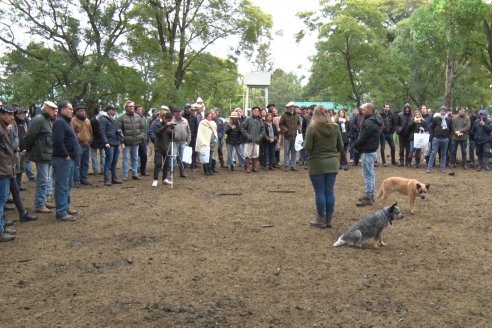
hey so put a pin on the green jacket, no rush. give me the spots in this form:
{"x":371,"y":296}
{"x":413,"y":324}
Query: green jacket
{"x":323,"y":143}
{"x":38,"y":139}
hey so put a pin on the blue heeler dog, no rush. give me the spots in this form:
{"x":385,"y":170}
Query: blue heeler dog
{"x":371,"y":226}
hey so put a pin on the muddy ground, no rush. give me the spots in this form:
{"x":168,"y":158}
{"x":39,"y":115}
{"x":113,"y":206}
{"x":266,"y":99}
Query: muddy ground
{"x":196,"y":256}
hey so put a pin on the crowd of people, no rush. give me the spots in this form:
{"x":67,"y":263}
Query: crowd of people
{"x":63,"y":143}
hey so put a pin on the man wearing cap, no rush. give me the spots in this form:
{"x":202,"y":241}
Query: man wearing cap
{"x":112,"y":138}
{"x":7,"y":167}
{"x":440,"y":130}
{"x":83,"y":130}
{"x":65,"y":149}
{"x":131,"y":125}
{"x":182,"y":137}
{"x":289,"y":123}
{"x":481,"y":130}
{"x":20,"y":122}
{"x":39,"y":146}
{"x":254,"y":132}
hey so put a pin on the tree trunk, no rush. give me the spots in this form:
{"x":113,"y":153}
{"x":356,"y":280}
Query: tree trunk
{"x":448,"y":93}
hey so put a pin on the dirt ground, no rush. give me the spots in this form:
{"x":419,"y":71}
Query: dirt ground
{"x":196,"y":256}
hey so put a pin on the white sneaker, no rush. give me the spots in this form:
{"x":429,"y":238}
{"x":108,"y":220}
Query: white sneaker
{"x":154,"y":183}
{"x":168,"y":182}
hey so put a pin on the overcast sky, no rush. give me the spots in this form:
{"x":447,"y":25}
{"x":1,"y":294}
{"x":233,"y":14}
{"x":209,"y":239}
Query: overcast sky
{"x":286,"y":53}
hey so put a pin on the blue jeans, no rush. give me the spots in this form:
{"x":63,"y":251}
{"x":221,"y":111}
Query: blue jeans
{"x":383,"y":138}
{"x":368,"y":174}
{"x":239,"y":152}
{"x":415,"y":152}
{"x":43,"y":183}
{"x":324,"y":192}
{"x":4,"y":195}
{"x":63,"y":171}
{"x":440,"y":145}
{"x":269,"y":154}
{"x":111,"y":162}
{"x":102,"y":156}
{"x":130,"y":153}
{"x":454,"y":150}
{"x":29,"y":172}
{"x":81,"y":171}
{"x":289,"y":153}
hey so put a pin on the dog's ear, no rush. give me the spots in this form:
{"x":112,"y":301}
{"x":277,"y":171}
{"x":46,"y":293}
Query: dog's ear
{"x":427,"y":186}
{"x":419,"y":186}
{"x":392,"y":208}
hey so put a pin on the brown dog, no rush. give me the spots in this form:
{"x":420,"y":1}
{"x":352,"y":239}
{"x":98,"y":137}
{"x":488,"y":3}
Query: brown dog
{"x":410,"y":187}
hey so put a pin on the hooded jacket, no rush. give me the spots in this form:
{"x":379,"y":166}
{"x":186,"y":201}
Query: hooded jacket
{"x":368,"y":141}
{"x":323,"y":143}
{"x":403,"y":122}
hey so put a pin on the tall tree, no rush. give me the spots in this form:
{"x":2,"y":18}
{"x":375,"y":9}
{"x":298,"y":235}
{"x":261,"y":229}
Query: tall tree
{"x":82,"y":39}
{"x":284,"y":87}
{"x":184,"y":29}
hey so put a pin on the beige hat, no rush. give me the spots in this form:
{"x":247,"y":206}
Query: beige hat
{"x":291,"y":104}
{"x":50,"y":104}
{"x":164,"y":107}
{"x":234,"y":115}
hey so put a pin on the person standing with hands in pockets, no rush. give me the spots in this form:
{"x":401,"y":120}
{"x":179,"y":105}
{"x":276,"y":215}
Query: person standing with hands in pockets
{"x":323,"y":143}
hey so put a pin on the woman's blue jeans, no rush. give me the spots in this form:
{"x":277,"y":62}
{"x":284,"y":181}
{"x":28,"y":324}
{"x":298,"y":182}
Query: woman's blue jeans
{"x":324,"y":191}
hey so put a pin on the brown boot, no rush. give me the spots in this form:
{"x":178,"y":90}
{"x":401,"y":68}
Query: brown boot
{"x":255,"y":162}
{"x":247,"y":166}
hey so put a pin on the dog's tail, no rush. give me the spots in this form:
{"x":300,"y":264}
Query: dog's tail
{"x":340,"y":242}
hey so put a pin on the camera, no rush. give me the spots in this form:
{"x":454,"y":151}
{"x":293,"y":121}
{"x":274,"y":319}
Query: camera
{"x":119,"y":132}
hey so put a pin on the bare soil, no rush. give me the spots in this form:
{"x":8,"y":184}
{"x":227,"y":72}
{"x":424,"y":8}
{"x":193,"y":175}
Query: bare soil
{"x":235,"y":250}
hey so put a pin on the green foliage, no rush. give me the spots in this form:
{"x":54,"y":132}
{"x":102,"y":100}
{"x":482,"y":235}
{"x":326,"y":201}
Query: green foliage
{"x":284,"y":87}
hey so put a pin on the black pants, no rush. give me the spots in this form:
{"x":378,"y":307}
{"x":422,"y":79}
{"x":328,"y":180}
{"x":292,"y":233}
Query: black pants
{"x":404,"y":142}
{"x":159,"y":158}
{"x":142,"y":153}
{"x":14,"y":190}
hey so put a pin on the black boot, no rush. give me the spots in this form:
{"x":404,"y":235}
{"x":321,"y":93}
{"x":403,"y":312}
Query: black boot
{"x":26,"y":217}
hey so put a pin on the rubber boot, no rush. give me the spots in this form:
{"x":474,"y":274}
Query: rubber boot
{"x":247,"y":166}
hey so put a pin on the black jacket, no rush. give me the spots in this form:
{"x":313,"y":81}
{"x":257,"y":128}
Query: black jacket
{"x":436,"y":130}
{"x":403,"y":123}
{"x":97,"y":140}
{"x":389,"y":123}
{"x":368,"y":141}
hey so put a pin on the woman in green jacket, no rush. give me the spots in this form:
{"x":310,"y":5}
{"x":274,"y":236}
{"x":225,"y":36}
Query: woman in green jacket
{"x":323,"y":143}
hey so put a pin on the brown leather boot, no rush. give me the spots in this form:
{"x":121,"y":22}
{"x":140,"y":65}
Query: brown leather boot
{"x":255,"y":162}
{"x":247,"y":166}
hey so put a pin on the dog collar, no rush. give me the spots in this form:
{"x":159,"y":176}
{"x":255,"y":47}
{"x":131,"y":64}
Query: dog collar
{"x":390,"y":219}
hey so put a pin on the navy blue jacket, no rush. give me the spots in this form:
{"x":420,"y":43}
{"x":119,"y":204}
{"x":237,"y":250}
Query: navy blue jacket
{"x":65,"y":141}
{"x":108,"y":129}
{"x":482,"y":133}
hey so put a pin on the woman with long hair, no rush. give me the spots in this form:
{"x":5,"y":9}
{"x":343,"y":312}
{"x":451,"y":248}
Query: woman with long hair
{"x":323,"y":143}
{"x":343,"y":123}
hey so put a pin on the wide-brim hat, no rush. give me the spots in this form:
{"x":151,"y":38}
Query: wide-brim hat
{"x":291,"y":104}
{"x":234,"y":115}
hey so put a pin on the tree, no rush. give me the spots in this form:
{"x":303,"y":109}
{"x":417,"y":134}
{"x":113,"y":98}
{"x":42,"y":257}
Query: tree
{"x":80,"y":42}
{"x":284,"y":87}
{"x":447,"y":29}
{"x":184,"y":29}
